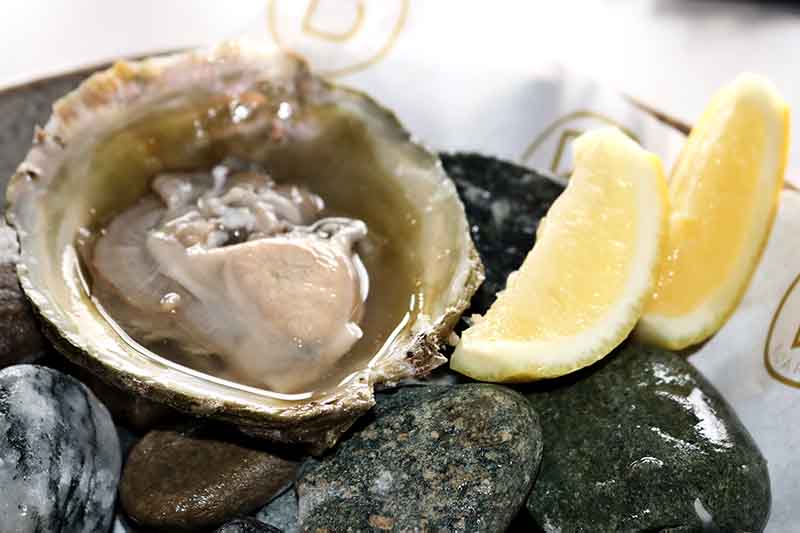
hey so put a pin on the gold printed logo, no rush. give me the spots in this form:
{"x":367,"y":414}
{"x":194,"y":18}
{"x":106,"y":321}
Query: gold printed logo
{"x":340,"y":36}
{"x":337,"y":37}
{"x":782,"y":348}
{"x":549,"y":148}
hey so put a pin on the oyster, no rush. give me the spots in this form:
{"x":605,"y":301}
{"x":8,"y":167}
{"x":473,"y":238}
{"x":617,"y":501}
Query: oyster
{"x":175,"y":214}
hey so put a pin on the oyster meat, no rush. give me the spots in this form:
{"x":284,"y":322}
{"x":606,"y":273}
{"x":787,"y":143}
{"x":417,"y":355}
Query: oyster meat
{"x":220,"y":265}
{"x":226,"y":233}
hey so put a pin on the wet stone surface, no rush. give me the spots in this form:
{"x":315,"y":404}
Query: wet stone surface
{"x":59,"y":454}
{"x":198,"y":478}
{"x":20,"y":338}
{"x":504,"y":204}
{"x":429,"y":458}
{"x":642,"y":442}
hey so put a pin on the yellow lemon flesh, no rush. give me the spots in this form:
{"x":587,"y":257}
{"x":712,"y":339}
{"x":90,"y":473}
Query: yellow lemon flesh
{"x":582,"y":287}
{"x":724,"y":194}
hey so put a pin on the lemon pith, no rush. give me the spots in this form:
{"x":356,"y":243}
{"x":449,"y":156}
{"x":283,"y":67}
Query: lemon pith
{"x":582,"y":287}
{"x":724,"y":194}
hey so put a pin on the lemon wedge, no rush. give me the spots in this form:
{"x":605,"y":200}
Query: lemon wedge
{"x":583,"y":286}
{"x":724,"y":194}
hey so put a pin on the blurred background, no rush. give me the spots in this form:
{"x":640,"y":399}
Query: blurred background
{"x":670,"y":52}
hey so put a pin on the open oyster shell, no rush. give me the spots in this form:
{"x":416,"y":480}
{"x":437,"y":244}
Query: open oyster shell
{"x":106,"y":140}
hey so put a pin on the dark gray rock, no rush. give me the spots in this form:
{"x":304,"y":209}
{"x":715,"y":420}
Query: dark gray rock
{"x":198,"y":478}
{"x":281,"y":512}
{"x":435,"y":458}
{"x":59,"y":454}
{"x":247,"y":525}
{"x":20,"y":338}
{"x":504,"y":203}
{"x":642,"y":442}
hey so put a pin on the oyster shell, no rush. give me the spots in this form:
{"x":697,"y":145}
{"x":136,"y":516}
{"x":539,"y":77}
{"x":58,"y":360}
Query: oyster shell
{"x":105,"y":142}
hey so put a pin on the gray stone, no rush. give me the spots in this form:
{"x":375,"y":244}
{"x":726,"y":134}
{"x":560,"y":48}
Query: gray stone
{"x":20,"y":338}
{"x":198,"y":478}
{"x":642,"y":442}
{"x":504,"y":203}
{"x":247,"y":525}
{"x":281,"y":512}
{"x":59,"y":454}
{"x":435,"y":458}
